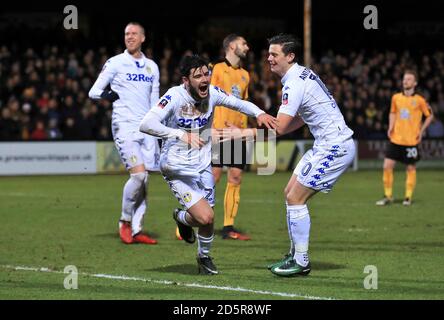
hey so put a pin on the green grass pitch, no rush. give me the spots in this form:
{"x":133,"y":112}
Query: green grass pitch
{"x":51,"y":222}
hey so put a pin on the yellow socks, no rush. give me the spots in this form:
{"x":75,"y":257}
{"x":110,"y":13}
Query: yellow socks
{"x":410,"y":183}
{"x":231,"y":203}
{"x":387,"y":179}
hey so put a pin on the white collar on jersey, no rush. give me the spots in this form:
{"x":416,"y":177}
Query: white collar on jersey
{"x":289,"y":72}
{"x":140,"y":63}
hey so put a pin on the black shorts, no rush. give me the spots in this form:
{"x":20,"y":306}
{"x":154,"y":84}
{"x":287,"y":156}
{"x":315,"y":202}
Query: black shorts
{"x":404,"y":154}
{"x":235,"y":155}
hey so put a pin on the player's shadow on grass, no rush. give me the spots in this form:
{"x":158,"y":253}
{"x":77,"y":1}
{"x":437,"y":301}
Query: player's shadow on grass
{"x":109,"y":235}
{"x":190,"y":269}
{"x":318,"y":265}
{"x":115,"y":235}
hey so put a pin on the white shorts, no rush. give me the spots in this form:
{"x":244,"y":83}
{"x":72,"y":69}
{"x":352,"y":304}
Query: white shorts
{"x":321,"y":167}
{"x":136,"y":148}
{"x":189,"y":190}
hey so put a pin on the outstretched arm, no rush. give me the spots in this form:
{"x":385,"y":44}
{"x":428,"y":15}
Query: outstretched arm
{"x":287,"y":123}
{"x":250,"y":109}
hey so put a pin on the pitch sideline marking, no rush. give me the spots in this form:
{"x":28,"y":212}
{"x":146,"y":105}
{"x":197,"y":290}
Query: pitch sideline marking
{"x":169,"y":282}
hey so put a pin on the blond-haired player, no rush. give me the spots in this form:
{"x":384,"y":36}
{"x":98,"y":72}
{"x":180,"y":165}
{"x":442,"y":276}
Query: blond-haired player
{"x":405,"y":132}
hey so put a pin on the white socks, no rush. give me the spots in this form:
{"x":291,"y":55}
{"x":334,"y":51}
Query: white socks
{"x":133,"y":198}
{"x":298,"y":220}
{"x":141,"y":207}
{"x":204,"y":245}
{"x":289,"y":232}
{"x":182,"y":217}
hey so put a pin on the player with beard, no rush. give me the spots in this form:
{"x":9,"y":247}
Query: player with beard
{"x":231,"y":77}
{"x":183,"y":118}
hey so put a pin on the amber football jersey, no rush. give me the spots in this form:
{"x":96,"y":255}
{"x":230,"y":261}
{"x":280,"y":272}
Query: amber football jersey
{"x":234,"y":81}
{"x":409,"y":111}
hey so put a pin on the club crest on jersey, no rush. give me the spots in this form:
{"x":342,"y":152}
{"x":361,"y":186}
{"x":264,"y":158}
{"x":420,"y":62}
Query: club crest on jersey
{"x":148,"y":69}
{"x":133,"y":159}
{"x":285,"y":98}
{"x":187,"y":197}
{"x":236,"y":91}
{"x":404,"y":114}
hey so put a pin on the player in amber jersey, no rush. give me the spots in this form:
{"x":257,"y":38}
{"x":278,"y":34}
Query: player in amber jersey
{"x":405,"y":132}
{"x":231,"y":77}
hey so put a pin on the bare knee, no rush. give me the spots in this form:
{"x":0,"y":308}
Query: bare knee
{"x":286,"y":191}
{"x":298,"y":194}
{"x":235,"y":176}
{"x":389,"y":164}
{"x":236,"y":180}
{"x":207,"y":219}
{"x":294,"y":199}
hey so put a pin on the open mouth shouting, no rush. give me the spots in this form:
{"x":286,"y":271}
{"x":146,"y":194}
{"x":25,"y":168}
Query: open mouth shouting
{"x":203,"y":90}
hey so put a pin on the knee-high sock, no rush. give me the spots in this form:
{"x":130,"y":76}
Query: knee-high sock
{"x":231,"y":203}
{"x":299,"y":219}
{"x":140,"y":208}
{"x":289,"y":232}
{"x":387,"y":179}
{"x":131,"y":195}
{"x":204,"y":245}
{"x":410,"y":183}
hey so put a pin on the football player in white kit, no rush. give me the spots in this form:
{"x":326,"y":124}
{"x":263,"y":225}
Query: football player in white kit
{"x":183,"y":118}
{"x":134,"y":82}
{"x":305,"y":100}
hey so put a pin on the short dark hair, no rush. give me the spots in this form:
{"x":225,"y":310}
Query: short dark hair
{"x":229,"y":39}
{"x":191,"y":62}
{"x":289,"y":43}
{"x":135,"y":23}
{"x":412,"y":72}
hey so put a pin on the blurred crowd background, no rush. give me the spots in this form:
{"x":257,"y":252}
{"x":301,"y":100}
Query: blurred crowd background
{"x":45,"y":77}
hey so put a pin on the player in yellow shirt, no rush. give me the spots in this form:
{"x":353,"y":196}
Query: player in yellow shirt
{"x":231,"y":77}
{"x":405,"y":132}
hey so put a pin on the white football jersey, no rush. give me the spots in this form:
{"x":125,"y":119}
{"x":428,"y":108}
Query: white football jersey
{"x":305,"y":94}
{"x":136,"y":81}
{"x":175,"y":113}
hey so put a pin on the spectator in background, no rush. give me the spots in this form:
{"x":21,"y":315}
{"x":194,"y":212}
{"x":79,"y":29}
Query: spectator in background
{"x":436,"y":129}
{"x":53,"y":132}
{"x":45,"y":77}
{"x":39,"y":132}
{"x":9,"y":128}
